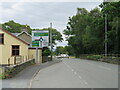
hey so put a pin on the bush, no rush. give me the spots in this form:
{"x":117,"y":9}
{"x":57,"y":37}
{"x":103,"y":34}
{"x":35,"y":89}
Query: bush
{"x":4,"y":75}
{"x":94,"y":57}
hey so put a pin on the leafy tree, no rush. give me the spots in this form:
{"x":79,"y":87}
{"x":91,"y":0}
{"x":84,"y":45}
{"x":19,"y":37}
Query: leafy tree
{"x":60,"y":50}
{"x":86,"y":30}
{"x":46,"y":51}
{"x":69,"y":50}
{"x":14,"y":27}
{"x":111,"y":9}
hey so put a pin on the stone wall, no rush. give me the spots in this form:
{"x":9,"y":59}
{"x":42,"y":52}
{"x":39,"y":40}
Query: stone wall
{"x":11,"y":71}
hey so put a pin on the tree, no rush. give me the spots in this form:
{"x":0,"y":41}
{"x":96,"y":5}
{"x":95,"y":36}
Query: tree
{"x":69,"y":50}
{"x":46,"y":51}
{"x":86,"y":30}
{"x":111,"y":9}
{"x":60,"y":50}
{"x":14,"y":27}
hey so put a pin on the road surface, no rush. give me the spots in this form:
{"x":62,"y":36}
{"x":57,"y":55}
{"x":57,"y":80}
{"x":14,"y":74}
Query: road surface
{"x":77,"y":73}
{"x":22,"y":80}
{"x":70,"y":73}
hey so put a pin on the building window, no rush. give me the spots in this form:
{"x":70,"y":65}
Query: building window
{"x":15,"y":50}
{"x":1,"y":38}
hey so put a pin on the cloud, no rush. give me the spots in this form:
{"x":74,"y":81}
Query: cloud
{"x":55,"y":0}
{"x":40,"y":14}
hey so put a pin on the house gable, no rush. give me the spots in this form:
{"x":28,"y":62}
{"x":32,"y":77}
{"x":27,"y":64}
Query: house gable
{"x":25,"y":37}
{"x":13,"y":36}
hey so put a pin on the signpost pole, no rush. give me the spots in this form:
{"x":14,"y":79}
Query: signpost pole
{"x":40,"y":39}
{"x":106,"y":51}
{"x":51,"y":39}
{"x":36,"y":55}
{"x":105,"y":34}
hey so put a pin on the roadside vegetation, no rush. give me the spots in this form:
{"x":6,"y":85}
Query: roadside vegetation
{"x":85,"y":32}
{"x":113,"y":59}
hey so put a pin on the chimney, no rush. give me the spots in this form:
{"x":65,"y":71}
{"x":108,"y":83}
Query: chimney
{"x":25,"y":28}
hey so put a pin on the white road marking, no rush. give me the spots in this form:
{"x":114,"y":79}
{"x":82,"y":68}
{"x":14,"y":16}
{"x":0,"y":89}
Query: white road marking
{"x":105,"y":68}
{"x":75,"y":73}
{"x":72,"y":70}
{"x":80,"y":77}
{"x":67,"y":65}
{"x":85,"y":82}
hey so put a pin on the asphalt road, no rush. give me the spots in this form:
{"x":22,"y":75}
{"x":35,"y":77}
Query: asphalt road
{"x":70,"y":73}
{"x":77,"y":73}
{"x":22,"y":80}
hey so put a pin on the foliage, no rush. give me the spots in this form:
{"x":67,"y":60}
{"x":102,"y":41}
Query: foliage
{"x":69,"y":50}
{"x":14,"y":27}
{"x":46,"y":51}
{"x":86,"y":30}
{"x":94,"y":57}
{"x":4,"y":75}
{"x":60,"y":50}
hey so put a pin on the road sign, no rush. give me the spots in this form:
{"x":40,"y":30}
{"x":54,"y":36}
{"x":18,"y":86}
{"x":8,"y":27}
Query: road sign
{"x":35,"y":43}
{"x":42,"y":36}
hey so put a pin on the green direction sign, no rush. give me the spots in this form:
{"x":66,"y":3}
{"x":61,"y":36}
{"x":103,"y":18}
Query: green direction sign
{"x":35,"y":44}
{"x":40,"y":34}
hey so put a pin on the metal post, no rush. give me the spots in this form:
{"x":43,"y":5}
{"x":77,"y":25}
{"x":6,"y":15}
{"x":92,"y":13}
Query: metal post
{"x":41,"y":43}
{"x":36,"y":55}
{"x":106,"y":35}
{"x":51,"y":39}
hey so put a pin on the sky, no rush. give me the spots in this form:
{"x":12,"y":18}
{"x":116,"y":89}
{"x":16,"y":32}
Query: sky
{"x":39,"y":14}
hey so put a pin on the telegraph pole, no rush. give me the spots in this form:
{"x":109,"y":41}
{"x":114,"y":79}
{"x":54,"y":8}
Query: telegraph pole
{"x":51,"y":39}
{"x":106,"y":35}
{"x":106,"y":50}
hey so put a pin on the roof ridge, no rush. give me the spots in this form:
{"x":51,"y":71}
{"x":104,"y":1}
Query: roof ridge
{"x":13,"y":36}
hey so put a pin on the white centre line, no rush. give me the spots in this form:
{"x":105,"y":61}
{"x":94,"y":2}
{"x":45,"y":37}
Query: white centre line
{"x":85,"y":82}
{"x":72,"y":70}
{"x":75,"y":73}
{"x":80,"y":77}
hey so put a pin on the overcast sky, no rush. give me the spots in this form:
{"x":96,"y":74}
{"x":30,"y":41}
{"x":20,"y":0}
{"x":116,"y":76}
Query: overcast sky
{"x":40,"y":14}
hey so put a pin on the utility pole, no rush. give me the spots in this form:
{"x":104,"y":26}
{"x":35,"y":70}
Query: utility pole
{"x":106,"y":35}
{"x":106,"y":51}
{"x":51,"y":39}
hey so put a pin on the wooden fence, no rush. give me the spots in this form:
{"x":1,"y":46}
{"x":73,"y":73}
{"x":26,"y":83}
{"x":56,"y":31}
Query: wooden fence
{"x":18,"y":59}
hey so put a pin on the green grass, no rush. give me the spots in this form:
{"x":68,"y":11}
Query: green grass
{"x":94,"y":57}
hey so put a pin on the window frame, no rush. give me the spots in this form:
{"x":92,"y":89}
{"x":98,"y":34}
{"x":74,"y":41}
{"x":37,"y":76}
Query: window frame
{"x":15,"y":49}
{"x":2,"y":38}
